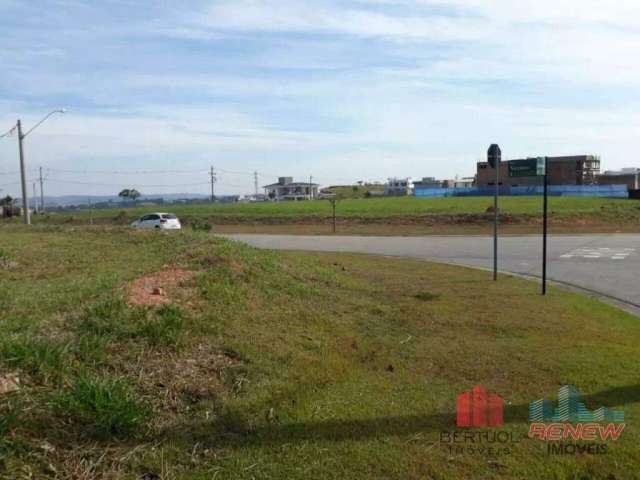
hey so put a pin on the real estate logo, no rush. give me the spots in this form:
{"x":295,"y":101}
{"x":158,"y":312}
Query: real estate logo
{"x":571,"y":421}
{"x":478,"y":412}
{"x":479,"y":408}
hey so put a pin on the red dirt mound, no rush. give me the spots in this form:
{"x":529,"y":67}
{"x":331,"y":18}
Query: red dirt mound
{"x":151,"y":290}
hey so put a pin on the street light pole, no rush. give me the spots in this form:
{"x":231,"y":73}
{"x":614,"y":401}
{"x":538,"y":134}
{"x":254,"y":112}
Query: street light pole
{"x":23,"y":173}
{"x":25,"y":203}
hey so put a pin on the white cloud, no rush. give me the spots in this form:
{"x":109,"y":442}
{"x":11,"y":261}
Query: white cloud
{"x":356,"y":89}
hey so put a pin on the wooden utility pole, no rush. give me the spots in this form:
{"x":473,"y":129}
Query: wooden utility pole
{"x":26,"y":216}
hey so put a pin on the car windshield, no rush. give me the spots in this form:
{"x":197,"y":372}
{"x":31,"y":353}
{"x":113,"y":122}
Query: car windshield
{"x":169,"y":216}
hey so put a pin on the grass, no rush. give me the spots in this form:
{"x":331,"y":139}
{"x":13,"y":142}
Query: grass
{"x":41,"y":358}
{"x":387,"y":207}
{"x":385,"y":216}
{"x":287,"y":365}
{"x":103,"y":408}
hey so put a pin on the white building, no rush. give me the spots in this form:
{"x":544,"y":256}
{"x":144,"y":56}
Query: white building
{"x":399,"y":187}
{"x":287,"y":189}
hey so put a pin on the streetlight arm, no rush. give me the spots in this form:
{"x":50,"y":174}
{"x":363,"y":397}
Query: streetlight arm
{"x":42,"y":121}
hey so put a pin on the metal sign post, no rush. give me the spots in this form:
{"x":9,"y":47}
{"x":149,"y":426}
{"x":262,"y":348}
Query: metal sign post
{"x":544,"y":227}
{"x":536,"y":167}
{"x":494,"y":157}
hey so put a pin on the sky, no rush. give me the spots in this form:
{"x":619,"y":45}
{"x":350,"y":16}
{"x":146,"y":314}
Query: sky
{"x":158,"y":91}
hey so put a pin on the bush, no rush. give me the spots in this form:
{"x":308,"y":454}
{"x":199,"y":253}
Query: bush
{"x":200,"y":225}
{"x":105,"y":408}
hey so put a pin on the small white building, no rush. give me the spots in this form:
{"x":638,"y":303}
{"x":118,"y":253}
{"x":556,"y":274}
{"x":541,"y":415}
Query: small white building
{"x":287,"y":189}
{"x":399,"y":187}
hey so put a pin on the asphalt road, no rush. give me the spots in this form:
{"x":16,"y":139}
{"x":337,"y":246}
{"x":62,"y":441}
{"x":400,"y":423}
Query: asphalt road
{"x":605,"y":265}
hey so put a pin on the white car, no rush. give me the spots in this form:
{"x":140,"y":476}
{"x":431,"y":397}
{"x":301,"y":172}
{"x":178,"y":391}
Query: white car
{"x":158,"y":221}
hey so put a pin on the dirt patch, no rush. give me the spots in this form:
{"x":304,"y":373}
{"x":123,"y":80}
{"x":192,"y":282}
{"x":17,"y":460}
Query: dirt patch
{"x":178,"y":382}
{"x":154,"y":289}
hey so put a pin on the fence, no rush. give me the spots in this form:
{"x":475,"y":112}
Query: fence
{"x":610,"y":191}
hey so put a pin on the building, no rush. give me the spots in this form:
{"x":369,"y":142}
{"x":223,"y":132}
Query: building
{"x":627,"y":176}
{"x":427,"y":182}
{"x":465,"y":182}
{"x":398,"y":187}
{"x":572,"y":170}
{"x":287,"y":189}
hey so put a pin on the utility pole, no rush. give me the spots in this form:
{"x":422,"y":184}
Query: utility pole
{"x":23,"y":176}
{"x":41,"y":192}
{"x":255,"y":183}
{"x":213,"y":181}
{"x":35,"y":199}
{"x":310,"y":187}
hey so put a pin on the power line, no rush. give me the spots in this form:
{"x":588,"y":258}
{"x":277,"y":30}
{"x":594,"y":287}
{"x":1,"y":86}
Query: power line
{"x":121,"y":172}
{"x":149,"y":172}
{"x":9,"y":132}
{"x":59,"y":180}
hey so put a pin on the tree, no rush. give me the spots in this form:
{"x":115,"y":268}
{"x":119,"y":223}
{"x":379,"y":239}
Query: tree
{"x":124,"y":193}
{"x":7,"y":201}
{"x":134,"y":194}
{"x":129,"y":193}
{"x":7,"y":206}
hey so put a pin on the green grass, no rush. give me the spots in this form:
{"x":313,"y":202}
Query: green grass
{"x":102,"y":408}
{"x":287,"y":365}
{"x":612,"y":209}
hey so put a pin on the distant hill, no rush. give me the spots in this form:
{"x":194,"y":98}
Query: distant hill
{"x":72,"y":200}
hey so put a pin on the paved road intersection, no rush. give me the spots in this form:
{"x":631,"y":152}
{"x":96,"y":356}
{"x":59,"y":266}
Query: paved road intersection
{"x":606,"y":265}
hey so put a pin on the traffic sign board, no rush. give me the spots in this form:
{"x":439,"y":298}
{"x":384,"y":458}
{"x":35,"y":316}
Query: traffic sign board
{"x":531,"y":167}
{"x":494,"y":155}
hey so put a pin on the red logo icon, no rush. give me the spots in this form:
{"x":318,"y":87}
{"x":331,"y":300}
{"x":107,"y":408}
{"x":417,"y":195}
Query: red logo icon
{"x":479,"y":408}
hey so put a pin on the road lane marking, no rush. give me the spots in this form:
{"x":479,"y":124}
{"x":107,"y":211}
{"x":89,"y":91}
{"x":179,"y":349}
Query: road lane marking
{"x":600,"y":253}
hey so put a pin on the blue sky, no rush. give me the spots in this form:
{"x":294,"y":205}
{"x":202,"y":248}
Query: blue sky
{"x":341,"y":90}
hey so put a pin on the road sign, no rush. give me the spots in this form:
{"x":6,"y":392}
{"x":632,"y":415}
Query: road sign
{"x":494,"y":155}
{"x":531,"y":167}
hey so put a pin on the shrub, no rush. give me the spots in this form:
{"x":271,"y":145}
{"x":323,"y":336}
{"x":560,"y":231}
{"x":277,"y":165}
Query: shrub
{"x":104,"y":408}
{"x":200,"y":225}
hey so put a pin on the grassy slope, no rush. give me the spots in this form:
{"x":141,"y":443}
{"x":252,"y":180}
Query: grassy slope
{"x":286,"y":365}
{"x":615,"y":210}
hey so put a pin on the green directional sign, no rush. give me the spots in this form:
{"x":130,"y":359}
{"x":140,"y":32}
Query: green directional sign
{"x":531,"y":167}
